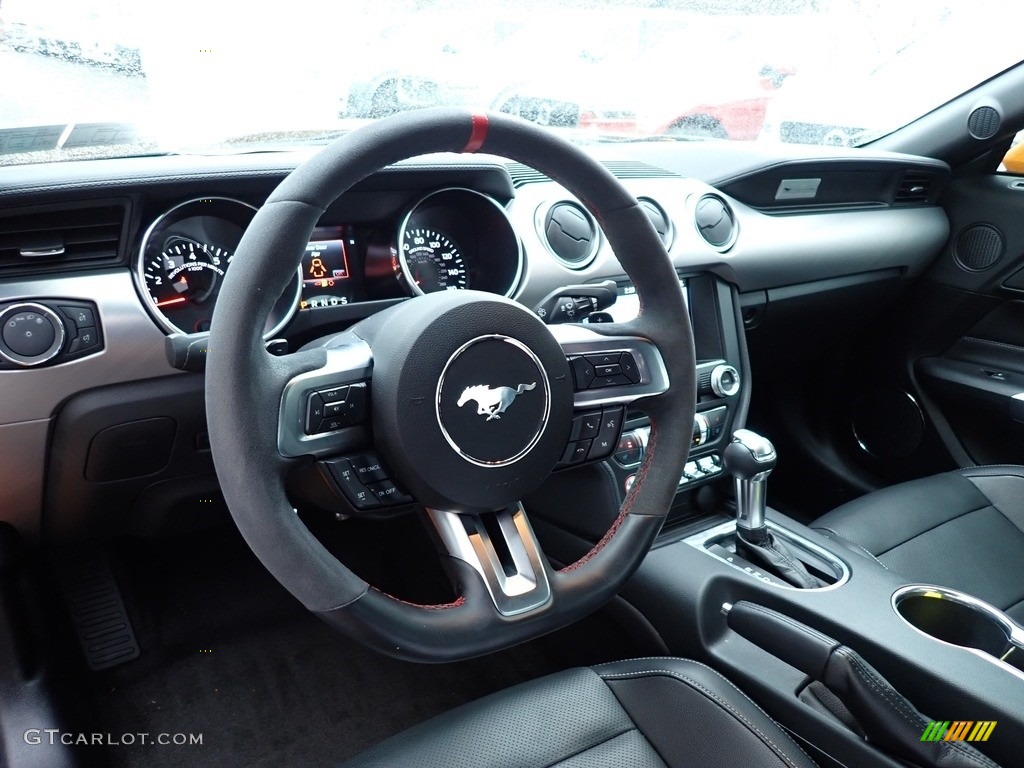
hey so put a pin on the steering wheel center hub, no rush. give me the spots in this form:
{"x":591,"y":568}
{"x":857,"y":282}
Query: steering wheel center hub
{"x":493,"y":400}
{"x":472,"y":398}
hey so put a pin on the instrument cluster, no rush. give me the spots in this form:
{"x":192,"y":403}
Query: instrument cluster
{"x":449,"y":239}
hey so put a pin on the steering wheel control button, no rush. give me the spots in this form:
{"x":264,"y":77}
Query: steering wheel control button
{"x":607,"y":369}
{"x":389,"y":493}
{"x":314,"y":413}
{"x":493,"y":400}
{"x":358,"y":495}
{"x":30,"y":334}
{"x":369,"y":468}
{"x":586,"y":427}
{"x":582,"y":372}
{"x":629,"y":369}
{"x":332,"y":409}
{"x":608,"y":435}
{"x":577,"y":452}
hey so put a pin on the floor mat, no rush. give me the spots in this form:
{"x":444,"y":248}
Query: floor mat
{"x":227,"y":654}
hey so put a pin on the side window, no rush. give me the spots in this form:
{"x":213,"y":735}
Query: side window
{"x":1013,"y":160}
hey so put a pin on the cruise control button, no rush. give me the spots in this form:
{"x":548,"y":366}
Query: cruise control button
{"x":583,"y":372}
{"x":608,"y":435}
{"x":388,"y":493}
{"x":586,"y":427}
{"x":629,"y":369}
{"x":358,"y":494}
{"x":576,"y":452}
{"x":369,"y":468}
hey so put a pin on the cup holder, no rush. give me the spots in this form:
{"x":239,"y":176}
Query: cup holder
{"x":959,"y":619}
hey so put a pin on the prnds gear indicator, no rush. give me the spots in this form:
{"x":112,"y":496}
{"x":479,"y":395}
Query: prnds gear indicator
{"x":325,"y":272}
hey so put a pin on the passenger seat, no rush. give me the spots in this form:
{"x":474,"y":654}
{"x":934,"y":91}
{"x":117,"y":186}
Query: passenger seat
{"x":961,"y":529}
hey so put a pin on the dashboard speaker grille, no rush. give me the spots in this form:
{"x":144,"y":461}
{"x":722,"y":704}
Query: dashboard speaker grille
{"x":978,"y":247}
{"x":983,"y":122}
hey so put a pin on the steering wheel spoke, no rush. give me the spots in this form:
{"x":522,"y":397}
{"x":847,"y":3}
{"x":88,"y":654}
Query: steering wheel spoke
{"x":611,"y":369}
{"x":501,"y":547}
{"x":323,"y":411}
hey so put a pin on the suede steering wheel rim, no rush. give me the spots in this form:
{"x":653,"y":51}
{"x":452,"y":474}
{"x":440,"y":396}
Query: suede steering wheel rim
{"x":246,"y":386}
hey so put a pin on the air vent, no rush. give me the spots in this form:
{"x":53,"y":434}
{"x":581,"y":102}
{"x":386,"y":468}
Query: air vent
{"x":571,"y":234}
{"x":983,"y":122}
{"x":628,"y":169}
{"x":715,"y":222}
{"x":660,"y":220}
{"x":75,"y":235}
{"x":914,"y":187}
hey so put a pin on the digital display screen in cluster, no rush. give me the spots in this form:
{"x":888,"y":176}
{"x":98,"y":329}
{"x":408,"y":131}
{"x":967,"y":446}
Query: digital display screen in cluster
{"x":326,"y":280}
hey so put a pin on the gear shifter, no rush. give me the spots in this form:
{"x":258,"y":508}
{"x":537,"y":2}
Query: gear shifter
{"x":750,"y":458}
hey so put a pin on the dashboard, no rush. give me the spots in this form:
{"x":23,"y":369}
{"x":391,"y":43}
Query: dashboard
{"x":117,"y":256}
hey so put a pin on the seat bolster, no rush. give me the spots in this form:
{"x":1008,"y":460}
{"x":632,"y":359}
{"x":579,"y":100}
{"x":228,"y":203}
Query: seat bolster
{"x":536,"y":724}
{"x":677,"y":704}
{"x":885,"y":519}
{"x":1003,"y":486}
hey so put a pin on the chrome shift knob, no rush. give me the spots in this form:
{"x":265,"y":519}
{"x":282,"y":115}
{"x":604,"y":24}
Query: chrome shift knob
{"x":750,"y":458}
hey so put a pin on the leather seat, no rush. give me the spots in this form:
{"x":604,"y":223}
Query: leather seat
{"x":962,"y":529}
{"x":644,"y":712}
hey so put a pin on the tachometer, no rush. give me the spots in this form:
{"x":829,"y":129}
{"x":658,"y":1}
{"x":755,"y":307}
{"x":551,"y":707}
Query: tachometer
{"x":184,"y":257}
{"x":433,"y":261}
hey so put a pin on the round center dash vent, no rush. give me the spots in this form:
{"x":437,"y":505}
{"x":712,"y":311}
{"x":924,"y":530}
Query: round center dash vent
{"x":571,"y":234}
{"x":716,"y":222}
{"x":660,"y":220}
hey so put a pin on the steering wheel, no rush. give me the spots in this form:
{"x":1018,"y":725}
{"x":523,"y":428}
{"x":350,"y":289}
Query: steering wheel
{"x":467,"y":463}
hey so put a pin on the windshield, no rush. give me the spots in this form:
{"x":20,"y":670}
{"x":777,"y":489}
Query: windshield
{"x":121,"y":77}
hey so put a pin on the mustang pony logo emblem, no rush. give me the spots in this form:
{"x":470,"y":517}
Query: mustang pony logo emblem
{"x":492,"y":402}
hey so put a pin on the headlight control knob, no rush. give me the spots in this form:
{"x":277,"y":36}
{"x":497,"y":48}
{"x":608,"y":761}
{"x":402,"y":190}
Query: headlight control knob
{"x":30,"y":334}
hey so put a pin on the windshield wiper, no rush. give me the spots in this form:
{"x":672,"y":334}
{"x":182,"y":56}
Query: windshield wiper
{"x":44,"y":138}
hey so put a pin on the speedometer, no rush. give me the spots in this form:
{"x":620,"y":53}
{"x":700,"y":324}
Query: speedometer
{"x":433,"y":261}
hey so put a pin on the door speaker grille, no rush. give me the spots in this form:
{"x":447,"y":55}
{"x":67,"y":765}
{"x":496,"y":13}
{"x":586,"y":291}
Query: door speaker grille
{"x":978,"y":247}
